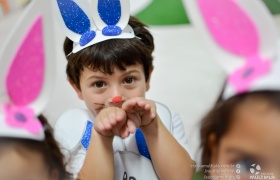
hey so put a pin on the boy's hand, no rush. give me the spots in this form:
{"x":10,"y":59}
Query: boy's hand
{"x":140,"y":112}
{"x":111,"y":121}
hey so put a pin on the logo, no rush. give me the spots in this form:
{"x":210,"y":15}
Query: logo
{"x":255,"y":169}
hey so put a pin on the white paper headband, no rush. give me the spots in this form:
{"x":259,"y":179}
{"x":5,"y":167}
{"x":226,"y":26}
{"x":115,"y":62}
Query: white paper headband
{"x":87,"y":22}
{"x":26,"y":73}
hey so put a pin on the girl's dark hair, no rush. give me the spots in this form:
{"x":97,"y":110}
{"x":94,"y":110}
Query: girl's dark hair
{"x":49,"y":149}
{"x":106,"y":55}
{"x":219,"y":120}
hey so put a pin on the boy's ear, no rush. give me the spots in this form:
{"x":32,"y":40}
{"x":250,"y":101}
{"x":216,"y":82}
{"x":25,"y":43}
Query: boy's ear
{"x":78,"y":91}
{"x":213,"y":147}
{"x":149,"y":80}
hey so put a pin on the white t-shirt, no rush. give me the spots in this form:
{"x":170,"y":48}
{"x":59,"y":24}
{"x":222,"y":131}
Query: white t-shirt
{"x":131,"y":157}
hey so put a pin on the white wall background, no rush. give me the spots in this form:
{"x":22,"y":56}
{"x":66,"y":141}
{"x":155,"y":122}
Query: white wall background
{"x":185,"y":77}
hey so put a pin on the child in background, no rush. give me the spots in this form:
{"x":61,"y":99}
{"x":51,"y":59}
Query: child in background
{"x":26,"y":158}
{"x":240,"y":136}
{"x":28,"y":149}
{"x":7,"y":6}
{"x":112,"y":76}
{"x":243,"y":132}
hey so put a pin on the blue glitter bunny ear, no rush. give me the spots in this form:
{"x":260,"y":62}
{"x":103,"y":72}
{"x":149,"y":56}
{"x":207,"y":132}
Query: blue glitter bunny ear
{"x":74,"y":19}
{"x":87,"y":22}
{"x":110,"y":16}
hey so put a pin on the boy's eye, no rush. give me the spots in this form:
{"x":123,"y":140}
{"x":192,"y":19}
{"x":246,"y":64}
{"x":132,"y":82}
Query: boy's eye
{"x":99,"y":84}
{"x":129,"y":80}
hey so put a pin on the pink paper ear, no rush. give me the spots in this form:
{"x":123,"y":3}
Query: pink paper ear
{"x":230,"y":26}
{"x":26,"y":74}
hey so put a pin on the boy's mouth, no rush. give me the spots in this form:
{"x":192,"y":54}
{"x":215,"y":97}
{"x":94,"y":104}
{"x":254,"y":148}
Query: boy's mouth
{"x":101,"y":106}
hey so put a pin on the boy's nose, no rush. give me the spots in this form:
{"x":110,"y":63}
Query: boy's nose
{"x":115,"y":96}
{"x":117,"y":99}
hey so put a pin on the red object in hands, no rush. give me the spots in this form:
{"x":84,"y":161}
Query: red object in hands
{"x":117,"y":99}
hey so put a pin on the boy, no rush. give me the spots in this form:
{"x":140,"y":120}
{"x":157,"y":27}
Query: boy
{"x":112,"y":78}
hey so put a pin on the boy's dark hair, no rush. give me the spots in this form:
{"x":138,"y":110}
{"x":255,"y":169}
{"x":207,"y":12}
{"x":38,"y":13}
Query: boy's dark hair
{"x":48,"y":148}
{"x":219,"y":120}
{"x":106,"y":55}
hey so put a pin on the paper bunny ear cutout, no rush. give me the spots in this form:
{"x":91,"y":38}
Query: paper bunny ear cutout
{"x":242,"y":37}
{"x":27,"y":72}
{"x":87,"y":22}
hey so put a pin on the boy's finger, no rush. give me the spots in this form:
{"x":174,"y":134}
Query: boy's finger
{"x":102,"y":131}
{"x":128,"y":105}
{"x":153,"y":112}
{"x":117,"y":131}
{"x":131,"y":126}
{"x":124,"y":132}
{"x":99,"y":126}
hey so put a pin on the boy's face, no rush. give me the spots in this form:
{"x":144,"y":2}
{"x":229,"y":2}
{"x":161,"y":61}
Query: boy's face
{"x":98,"y":89}
{"x":251,"y":146}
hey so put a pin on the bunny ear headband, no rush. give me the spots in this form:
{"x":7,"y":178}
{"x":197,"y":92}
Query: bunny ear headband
{"x":26,"y":73}
{"x":243,"y":39}
{"x":87,"y":22}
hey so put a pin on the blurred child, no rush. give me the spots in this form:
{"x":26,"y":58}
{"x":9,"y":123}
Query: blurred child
{"x":243,"y":132}
{"x":240,"y":134}
{"x":129,"y":138}
{"x":23,"y":158}
{"x":7,"y":6}
{"x":28,"y":149}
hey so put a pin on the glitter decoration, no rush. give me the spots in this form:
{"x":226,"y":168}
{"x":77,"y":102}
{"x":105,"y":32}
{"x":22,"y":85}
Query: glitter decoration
{"x":141,"y":144}
{"x":74,"y":17}
{"x":87,"y":22}
{"x":230,"y":26}
{"x":22,"y":117}
{"x":110,"y":12}
{"x":23,"y":83}
{"x":111,"y":30}
{"x":87,"y":37}
{"x":76,"y":20}
{"x":243,"y":78}
{"x":87,"y":135}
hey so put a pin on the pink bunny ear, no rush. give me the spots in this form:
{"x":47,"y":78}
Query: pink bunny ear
{"x":26,"y":74}
{"x":234,"y":30}
{"x":27,"y":62}
{"x":241,"y":36}
{"x":27,"y":59}
{"x":230,"y":26}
